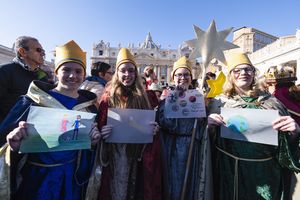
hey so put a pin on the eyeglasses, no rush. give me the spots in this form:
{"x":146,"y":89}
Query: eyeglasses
{"x":130,"y":71}
{"x":110,"y":73}
{"x":187,"y":75}
{"x":248,"y":70}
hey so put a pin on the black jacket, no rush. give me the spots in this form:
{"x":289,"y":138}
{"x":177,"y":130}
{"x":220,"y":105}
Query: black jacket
{"x":14,"y":82}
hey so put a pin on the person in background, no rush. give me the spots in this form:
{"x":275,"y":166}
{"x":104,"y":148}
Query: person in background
{"x":281,"y":81}
{"x":156,"y":88}
{"x":177,"y":138}
{"x":151,"y":94}
{"x":130,"y":171}
{"x":150,"y":75}
{"x":208,"y":76}
{"x":101,"y":73}
{"x":16,"y":76}
{"x":242,"y":169}
{"x":58,"y":174}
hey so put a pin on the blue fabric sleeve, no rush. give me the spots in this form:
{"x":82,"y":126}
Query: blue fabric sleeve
{"x":18,"y":113}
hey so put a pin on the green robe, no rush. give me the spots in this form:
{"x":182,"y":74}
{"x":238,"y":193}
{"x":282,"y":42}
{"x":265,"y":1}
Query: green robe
{"x":250,"y":178}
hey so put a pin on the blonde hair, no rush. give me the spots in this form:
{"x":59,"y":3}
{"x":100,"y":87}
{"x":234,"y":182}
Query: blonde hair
{"x":229,"y":88}
{"x":133,"y":96}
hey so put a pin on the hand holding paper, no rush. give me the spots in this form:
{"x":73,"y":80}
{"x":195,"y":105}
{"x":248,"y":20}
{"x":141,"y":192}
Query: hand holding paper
{"x":95,"y":134}
{"x":155,"y":127}
{"x":106,"y":131}
{"x":215,"y":119}
{"x":15,"y":137}
{"x":286,"y":124}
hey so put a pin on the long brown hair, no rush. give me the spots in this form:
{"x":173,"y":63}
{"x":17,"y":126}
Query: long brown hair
{"x":133,"y":96}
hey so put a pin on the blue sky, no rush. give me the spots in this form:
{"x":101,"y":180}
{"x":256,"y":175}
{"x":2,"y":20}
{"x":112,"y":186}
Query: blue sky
{"x":169,"y":21}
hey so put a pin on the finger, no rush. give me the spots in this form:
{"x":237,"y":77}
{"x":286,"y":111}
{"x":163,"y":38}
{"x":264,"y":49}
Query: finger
{"x":23,"y":124}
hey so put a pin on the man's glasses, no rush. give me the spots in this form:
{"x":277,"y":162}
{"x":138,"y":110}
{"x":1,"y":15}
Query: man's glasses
{"x":39,"y":50}
{"x":187,"y":75}
{"x":248,"y":70}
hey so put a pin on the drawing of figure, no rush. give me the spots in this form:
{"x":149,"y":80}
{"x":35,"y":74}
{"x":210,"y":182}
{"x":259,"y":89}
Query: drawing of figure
{"x":64,"y":123}
{"x":76,"y":125}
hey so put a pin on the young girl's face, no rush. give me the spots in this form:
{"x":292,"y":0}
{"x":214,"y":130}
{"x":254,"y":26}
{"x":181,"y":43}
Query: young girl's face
{"x":70,"y":76}
{"x":127,"y":74}
{"x":182,"y":78}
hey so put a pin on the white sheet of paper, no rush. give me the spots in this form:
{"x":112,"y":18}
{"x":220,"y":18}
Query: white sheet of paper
{"x":188,"y":104}
{"x":52,"y":129}
{"x":130,"y":125}
{"x":252,"y":125}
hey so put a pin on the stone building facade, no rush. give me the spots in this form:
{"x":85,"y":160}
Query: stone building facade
{"x":147,"y":53}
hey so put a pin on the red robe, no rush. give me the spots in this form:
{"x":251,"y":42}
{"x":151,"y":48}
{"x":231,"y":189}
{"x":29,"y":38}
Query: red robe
{"x":149,"y":173}
{"x":282,"y":94}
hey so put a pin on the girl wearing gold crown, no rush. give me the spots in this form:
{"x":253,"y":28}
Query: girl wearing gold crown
{"x":243,"y":169}
{"x":177,"y":138}
{"x":131,"y":171}
{"x":60,"y":174}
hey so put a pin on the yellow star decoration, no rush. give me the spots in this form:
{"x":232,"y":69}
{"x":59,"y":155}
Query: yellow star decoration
{"x":210,"y":44}
{"x":216,"y":86}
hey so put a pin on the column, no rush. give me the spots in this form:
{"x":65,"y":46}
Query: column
{"x":158,"y":73}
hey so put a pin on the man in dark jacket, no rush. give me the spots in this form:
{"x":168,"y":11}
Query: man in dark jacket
{"x":16,"y":76}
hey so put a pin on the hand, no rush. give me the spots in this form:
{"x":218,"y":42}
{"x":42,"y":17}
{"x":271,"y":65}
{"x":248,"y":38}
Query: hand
{"x":15,"y":137}
{"x":95,"y":134}
{"x":215,"y":119}
{"x":286,"y":124}
{"x":155,"y":127}
{"x":106,"y":131}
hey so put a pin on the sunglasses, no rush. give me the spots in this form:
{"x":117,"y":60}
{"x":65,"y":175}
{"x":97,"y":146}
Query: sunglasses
{"x":39,"y":50}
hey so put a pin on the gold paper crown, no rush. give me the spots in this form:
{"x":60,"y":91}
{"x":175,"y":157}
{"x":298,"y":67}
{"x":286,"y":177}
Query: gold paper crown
{"x":69,"y":52}
{"x":280,"y":74}
{"x":234,"y":59}
{"x":124,"y":56}
{"x":182,"y":62}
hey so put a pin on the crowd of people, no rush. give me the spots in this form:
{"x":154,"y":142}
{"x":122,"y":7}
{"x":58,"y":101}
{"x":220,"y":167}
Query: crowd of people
{"x":188,"y":157}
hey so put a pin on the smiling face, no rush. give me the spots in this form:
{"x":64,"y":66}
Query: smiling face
{"x":182,"y":78}
{"x":243,"y":76}
{"x":70,"y":76}
{"x":127,"y":74}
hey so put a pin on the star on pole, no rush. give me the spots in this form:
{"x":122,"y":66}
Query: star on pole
{"x":209,"y":45}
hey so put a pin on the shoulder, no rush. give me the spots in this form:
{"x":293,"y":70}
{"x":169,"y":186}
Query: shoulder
{"x":87,"y":95}
{"x":9,"y":68}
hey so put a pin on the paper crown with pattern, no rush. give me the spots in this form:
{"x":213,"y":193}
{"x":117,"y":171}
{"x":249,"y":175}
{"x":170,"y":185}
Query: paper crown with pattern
{"x":234,"y":59}
{"x":280,"y":74}
{"x":124,"y":56}
{"x":182,"y":62}
{"x":69,"y":52}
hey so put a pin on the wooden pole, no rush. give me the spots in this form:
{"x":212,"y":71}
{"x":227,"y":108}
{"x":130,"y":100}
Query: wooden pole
{"x":188,"y":163}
